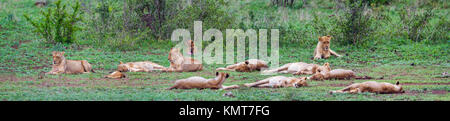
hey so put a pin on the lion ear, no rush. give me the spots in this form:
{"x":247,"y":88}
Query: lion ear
{"x":62,"y":53}
{"x":120,"y":62}
{"x":54,"y":52}
{"x":398,"y":83}
{"x":320,"y":38}
{"x":326,"y":64}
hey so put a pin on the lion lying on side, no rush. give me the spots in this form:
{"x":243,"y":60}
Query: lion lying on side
{"x":116,"y":75}
{"x":61,"y":65}
{"x":323,"y":48}
{"x":246,"y":66}
{"x":201,"y":83}
{"x":336,"y":74}
{"x":178,"y":63}
{"x":373,"y":87}
{"x":299,"y":68}
{"x":279,"y":82}
{"x":144,"y":66}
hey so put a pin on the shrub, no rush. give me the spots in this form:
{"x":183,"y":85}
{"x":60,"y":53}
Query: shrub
{"x":57,"y":25}
{"x":414,"y":21}
{"x":354,"y":23}
{"x":211,"y":12}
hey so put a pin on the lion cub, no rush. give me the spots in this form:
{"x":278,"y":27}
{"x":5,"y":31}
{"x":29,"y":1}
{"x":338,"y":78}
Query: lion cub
{"x":179,"y":63}
{"x":61,"y":65}
{"x":246,"y":66}
{"x":279,"y":82}
{"x":323,"y":48}
{"x":201,"y":83}
{"x":373,"y":87}
{"x":336,"y":74}
{"x":299,"y":68}
{"x":116,"y":75}
{"x":145,"y":66}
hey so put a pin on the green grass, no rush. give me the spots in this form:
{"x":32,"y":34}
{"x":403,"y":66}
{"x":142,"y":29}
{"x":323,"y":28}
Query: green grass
{"x":19,"y":68}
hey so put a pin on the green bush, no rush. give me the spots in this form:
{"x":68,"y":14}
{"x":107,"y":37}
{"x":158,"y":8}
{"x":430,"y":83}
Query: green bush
{"x":354,"y":24}
{"x":57,"y":24}
{"x":414,"y":22}
{"x":211,"y":12}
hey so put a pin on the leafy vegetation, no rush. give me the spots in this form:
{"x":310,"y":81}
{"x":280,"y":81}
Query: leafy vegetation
{"x":56,"y":24}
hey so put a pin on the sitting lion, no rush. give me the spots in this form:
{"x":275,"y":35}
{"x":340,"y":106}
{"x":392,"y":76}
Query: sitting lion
{"x":299,"y":68}
{"x":279,"y":82}
{"x":178,"y":63}
{"x":145,"y":66}
{"x":202,"y":83}
{"x":323,"y":48}
{"x":373,"y":87}
{"x":246,"y":66}
{"x":61,"y":65}
{"x":336,"y":74}
{"x":116,"y":75}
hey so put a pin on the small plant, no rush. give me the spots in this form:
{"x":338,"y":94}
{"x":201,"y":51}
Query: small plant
{"x":57,"y":25}
{"x":414,"y":22}
{"x":354,"y":24}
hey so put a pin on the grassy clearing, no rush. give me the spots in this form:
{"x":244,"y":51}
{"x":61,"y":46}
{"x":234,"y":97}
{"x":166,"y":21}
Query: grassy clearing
{"x":422,"y":80}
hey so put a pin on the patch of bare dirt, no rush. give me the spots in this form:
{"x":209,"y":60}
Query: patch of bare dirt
{"x":8,"y":77}
{"x":425,"y":83}
{"x":438,"y":92}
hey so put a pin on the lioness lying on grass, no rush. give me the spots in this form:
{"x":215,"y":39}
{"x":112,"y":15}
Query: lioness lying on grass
{"x":144,"y":66}
{"x":61,"y":65}
{"x":336,"y":74}
{"x":246,"y":66}
{"x":373,"y":87}
{"x":299,"y":68}
{"x":201,"y":83}
{"x":323,"y":48}
{"x":179,"y":63}
{"x":116,"y":75}
{"x":279,"y":82}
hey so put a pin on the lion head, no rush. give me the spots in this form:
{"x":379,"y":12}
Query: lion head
{"x":300,"y":82}
{"x":323,"y":69}
{"x":122,"y":67}
{"x":58,"y":57}
{"x":325,"y":42}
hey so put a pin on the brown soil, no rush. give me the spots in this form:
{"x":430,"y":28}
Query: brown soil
{"x":438,"y":92}
{"x":425,"y":83}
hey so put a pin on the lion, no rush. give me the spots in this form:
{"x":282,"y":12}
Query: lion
{"x":279,"y":82}
{"x":178,"y":63}
{"x":323,"y":48}
{"x":144,"y":66}
{"x":335,"y":74}
{"x":299,"y":68}
{"x":202,"y":83}
{"x":373,"y":87}
{"x":116,"y":75}
{"x":246,"y":66}
{"x":62,"y":65}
